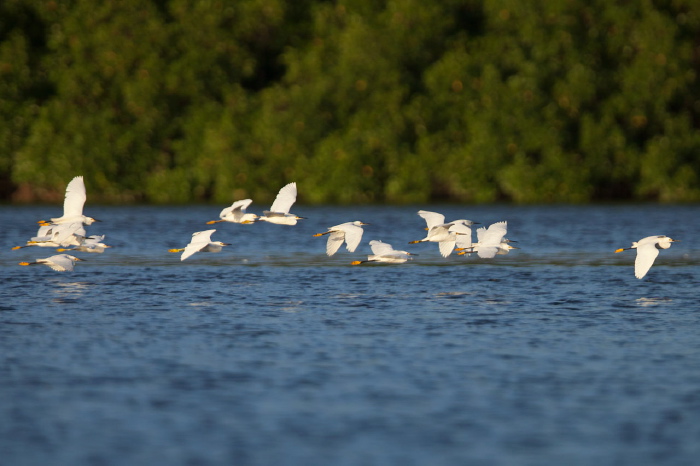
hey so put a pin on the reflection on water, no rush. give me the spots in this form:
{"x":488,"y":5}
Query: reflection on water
{"x":645,"y":302}
{"x":72,"y":288}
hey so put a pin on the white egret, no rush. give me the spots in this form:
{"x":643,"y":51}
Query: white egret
{"x":57,"y":236}
{"x":201,"y":242}
{"x":647,"y":250}
{"x":236,"y":213}
{"x":490,"y":241}
{"x":438,"y":232}
{"x":349,"y":232}
{"x":73,"y":204}
{"x":92,"y":244}
{"x":279,"y":211}
{"x":59,"y":262}
{"x":384,"y":252}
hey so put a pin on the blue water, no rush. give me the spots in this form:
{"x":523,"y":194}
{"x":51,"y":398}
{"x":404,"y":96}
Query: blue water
{"x":270,"y":352}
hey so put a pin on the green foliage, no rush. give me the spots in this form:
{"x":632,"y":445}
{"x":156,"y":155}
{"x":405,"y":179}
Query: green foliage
{"x":358,"y":101}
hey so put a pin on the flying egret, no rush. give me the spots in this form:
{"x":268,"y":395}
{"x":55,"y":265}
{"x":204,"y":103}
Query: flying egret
{"x":440,"y":232}
{"x":350,"y":232}
{"x":91,"y":244}
{"x":384,"y":252}
{"x":490,"y":241}
{"x":236,"y":213}
{"x":201,"y":242}
{"x":279,"y":211}
{"x":73,"y":204}
{"x":57,"y":236}
{"x":647,"y":250}
{"x":59,"y":262}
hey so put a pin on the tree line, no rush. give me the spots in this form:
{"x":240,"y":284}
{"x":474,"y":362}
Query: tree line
{"x":359,"y":101}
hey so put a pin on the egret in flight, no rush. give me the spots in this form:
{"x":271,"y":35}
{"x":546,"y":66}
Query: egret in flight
{"x":59,"y":262}
{"x":279,"y":211}
{"x":350,"y":233}
{"x":91,"y":244}
{"x":384,"y":252}
{"x":73,"y":205}
{"x":445,"y":234}
{"x":490,"y":241}
{"x":201,"y":242}
{"x":236,"y":213}
{"x":647,"y":250}
{"x":57,"y":236}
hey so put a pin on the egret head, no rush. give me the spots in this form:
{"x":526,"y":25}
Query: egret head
{"x":665,"y":242}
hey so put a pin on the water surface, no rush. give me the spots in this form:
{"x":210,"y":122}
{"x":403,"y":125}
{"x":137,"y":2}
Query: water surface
{"x":270,"y":352}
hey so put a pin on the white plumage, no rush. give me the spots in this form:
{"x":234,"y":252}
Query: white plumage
{"x":279,"y":211}
{"x":349,"y":232}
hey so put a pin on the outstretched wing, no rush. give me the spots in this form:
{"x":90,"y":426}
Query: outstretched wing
{"x":335,"y":240}
{"x":60,"y":263}
{"x":379,"y":248}
{"x":494,"y":235}
{"x":237,"y":209}
{"x":446,"y":247}
{"x":646,"y":255}
{"x":432,"y":218}
{"x":75,"y":197}
{"x":285,"y":198}
{"x":353,"y":236}
{"x":200,"y":239}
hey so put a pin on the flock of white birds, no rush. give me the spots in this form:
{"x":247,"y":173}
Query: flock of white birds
{"x":67,"y":233}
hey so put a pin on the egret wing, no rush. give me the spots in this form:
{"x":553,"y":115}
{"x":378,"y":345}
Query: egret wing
{"x":446,"y":247}
{"x":59,"y":263}
{"x":487,"y":252}
{"x":646,"y":254}
{"x":66,"y":234}
{"x":285,"y":198}
{"x":200,"y":240}
{"x":494,"y":234}
{"x":353,"y":236}
{"x":237,"y":209}
{"x":335,"y":240}
{"x":75,"y":198}
{"x":432,"y":218}
{"x":379,"y":248}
